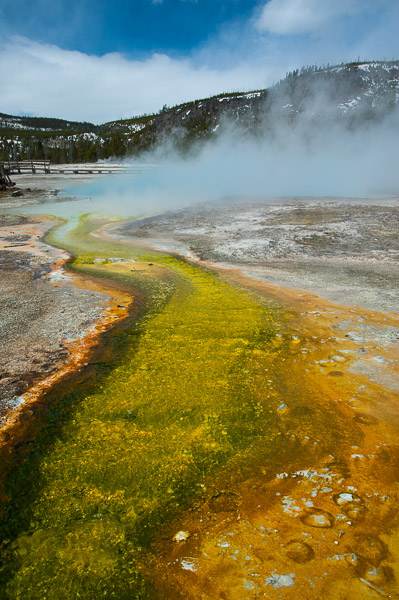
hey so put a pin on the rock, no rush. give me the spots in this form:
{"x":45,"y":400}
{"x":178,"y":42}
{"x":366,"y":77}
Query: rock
{"x":181,"y":536}
{"x":16,"y":194}
{"x":281,"y":581}
{"x":351,"y":504}
{"x":338,"y":359}
{"x":346,"y":497}
{"x":189,"y":564}
{"x":314,"y":517}
{"x":353,"y":560}
{"x":298,"y":551}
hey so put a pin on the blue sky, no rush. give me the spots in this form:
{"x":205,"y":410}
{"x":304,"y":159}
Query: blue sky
{"x":102,"y":60}
{"x":135,"y":27}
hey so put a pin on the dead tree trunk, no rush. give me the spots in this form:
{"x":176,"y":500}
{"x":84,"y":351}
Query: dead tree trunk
{"x":5,"y":180}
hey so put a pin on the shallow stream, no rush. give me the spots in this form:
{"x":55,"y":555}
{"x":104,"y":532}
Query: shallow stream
{"x":207,"y":455}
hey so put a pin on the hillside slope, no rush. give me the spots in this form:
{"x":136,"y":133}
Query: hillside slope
{"x":352,"y":95}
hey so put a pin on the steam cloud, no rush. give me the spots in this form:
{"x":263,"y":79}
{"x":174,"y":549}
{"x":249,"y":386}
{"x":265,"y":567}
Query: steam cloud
{"x":318,"y":155}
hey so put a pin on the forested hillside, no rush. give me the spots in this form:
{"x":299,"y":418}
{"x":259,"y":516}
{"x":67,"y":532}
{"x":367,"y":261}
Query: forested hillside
{"x":351,"y":94}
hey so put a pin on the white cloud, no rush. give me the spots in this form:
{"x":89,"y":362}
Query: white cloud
{"x":42,"y":79}
{"x":45,"y":80}
{"x":305,"y":16}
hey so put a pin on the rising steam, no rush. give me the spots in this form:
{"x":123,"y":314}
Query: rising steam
{"x":314,"y":154}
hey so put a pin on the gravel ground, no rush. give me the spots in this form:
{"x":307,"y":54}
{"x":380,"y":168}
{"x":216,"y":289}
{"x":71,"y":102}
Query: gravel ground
{"x":39,"y":308}
{"x":345,"y":250}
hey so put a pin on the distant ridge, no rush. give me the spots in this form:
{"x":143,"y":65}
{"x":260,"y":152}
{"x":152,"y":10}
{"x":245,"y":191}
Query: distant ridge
{"x":353,"y":94}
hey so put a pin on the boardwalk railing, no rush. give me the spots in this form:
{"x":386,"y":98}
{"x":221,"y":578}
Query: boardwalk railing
{"x":20,"y":167}
{"x":26,"y":166}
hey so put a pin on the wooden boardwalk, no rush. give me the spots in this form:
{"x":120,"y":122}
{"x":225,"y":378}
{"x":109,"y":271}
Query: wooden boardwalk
{"x":23,"y":167}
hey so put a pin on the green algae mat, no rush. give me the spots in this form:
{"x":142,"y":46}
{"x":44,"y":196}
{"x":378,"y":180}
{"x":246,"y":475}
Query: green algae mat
{"x":116,"y":461}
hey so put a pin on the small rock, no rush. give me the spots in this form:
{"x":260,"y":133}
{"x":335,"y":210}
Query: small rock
{"x":338,"y":359}
{"x":16,"y":194}
{"x":189,"y":564}
{"x":345,"y":498}
{"x":281,"y":581}
{"x":352,"y":560}
{"x":181,"y":536}
{"x":314,"y":517}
